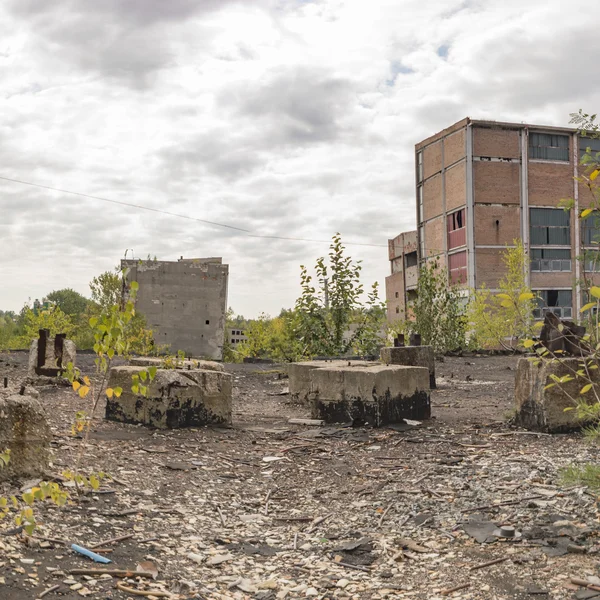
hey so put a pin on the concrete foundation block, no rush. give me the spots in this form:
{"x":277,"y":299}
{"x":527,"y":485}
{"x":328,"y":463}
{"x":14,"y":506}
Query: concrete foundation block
{"x":372,"y":395}
{"x":69,"y":355}
{"x":176,"y":398}
{"x":187,"y":363}
{"x":299,"y":375}
{"x":411,"y":356}
{"x":24,"y":430}
{"x":540,"y":409}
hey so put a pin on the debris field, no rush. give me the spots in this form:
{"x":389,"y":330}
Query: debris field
{"x":461,"y":506}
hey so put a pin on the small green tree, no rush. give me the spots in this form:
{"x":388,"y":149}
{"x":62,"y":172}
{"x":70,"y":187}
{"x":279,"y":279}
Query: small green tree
{"x":506,"y":318}
{"x":71,"y":303}
{"x":329,"y":306}
{"x":438,"y":312}
{"x":107,"y":289}
{"x":53,"y":319}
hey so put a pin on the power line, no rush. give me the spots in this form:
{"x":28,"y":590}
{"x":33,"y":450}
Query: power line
{"x":172,"y":214}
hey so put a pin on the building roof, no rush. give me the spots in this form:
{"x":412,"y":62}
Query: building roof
{"x":490,"y":125}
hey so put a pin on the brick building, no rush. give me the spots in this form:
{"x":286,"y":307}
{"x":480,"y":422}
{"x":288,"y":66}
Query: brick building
{"x":480,"y":185}
{"x":401,"y":284}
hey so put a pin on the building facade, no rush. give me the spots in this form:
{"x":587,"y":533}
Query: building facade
{"x":481,"y":185}
{"x":401,"y":284}
{"x":184,"y":302}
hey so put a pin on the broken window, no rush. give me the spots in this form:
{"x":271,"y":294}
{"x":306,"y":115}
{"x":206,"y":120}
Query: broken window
{"x":560,"y":302}
{"x":548,"y":146}
{"x":591,"y":261}
{"x":410,"y":259}
{"x":207,"y":322}
{"x":396,"y":294}
{"x":549,"y":226}
{"x":457,"y":234}
{"x":397,"y":309}
{"x":550,"y":259}
{"x":420,"y":202}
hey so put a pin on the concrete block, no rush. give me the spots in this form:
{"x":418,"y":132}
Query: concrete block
{"x":69,"y":355}
{"x":299,"y":375}
{"x":176,"y":398}
{"x":411,"y":356}
{"x":373,"y":395}
{"x":542,"y":409}
{"x":24,"y":430}
{"x":187,"y":363}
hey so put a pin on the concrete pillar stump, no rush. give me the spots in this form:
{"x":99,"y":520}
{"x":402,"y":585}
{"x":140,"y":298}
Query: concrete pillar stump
{"x":411,"y":356}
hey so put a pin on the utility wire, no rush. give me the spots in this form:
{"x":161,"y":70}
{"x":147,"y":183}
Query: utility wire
{"x":172,"y":214}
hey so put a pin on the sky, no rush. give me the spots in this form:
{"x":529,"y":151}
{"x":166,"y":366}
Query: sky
{"x":286,"y":118}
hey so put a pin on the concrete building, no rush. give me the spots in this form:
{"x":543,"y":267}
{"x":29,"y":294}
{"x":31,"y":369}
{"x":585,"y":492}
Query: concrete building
{"x":480,"y":185}
{"x":236,"y":336}
{"x":401,"y":284}
{"x":184,"y":302}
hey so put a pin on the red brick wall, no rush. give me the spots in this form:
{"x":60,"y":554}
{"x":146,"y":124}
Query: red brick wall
{"x":498,"y":143}
{"x":496,"y":182}
{"x":549,"y":182}
{"x":432,"y":159}
{"x":456,"y":186}
{"x":434,"y":242}
{"x":432,"y":197}
{"x":455,"y":147}
{"x":507,"y":230}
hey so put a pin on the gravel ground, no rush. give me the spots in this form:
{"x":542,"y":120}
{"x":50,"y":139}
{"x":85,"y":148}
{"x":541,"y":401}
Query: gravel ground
{"x":272,"y":510}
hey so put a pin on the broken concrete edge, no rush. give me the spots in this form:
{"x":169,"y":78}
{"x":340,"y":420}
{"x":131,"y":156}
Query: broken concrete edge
{"x":186,"y":363}
{"x":541,"y":409}
{"x":176,"y":398}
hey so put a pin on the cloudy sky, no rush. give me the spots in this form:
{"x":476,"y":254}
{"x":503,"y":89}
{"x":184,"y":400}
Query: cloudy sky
{"x":290,"y":118}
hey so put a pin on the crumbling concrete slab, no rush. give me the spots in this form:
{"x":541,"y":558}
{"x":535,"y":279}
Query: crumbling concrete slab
{"x":24,"y":430}
{"x":540,"y":409}
{"x":373,"y":395}
{"x":411,"y":356}
{"x":186,"y":363}
{"x":299,"y":375}
{"x":176,"y":398}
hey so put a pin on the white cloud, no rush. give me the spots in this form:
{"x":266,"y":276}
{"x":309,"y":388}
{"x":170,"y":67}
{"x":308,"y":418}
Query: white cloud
{"x":284,"y":117}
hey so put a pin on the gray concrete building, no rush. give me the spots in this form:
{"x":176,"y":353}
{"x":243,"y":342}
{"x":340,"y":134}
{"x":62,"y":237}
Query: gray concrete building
{"x":184,"y":302}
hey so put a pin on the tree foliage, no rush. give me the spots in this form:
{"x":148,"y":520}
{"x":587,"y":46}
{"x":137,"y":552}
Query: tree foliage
{"x":503,"y":319}
{"x":69,"y":301}
{"x":438,"y":312}
{"x":330,"y":315}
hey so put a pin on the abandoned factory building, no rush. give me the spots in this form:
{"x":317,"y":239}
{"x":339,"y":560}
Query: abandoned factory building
{"x":184,"y":302}
{"x":479,"y":186}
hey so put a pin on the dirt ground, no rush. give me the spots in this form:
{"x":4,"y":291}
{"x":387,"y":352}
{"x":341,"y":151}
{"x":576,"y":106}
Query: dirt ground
{"x":270,"y":510}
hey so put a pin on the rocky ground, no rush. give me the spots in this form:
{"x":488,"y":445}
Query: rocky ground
{"x":272,"y":510}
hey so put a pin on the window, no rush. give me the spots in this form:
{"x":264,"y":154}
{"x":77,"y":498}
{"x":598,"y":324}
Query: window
{"x":592,"y":144}
{"x":397,"y":309}
{"x":456,"y":229}
{"x":550,"y":226}
{"x":396,"y":294}
{"x":560,"y":302}
{"x":410,"y":259}
{"x":457,"y":267}
{"x":547,"y":146}
{"x":207,"y":322}
{"x":591,"y":261}
{"x":420,"y":202}
{"x":419,"y":166}
{"x":422,"y":242}
{"x":550,"y":259}
{"x":590,"y":230}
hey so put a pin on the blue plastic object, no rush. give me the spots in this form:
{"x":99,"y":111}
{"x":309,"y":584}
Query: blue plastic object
{"x":95,"y":557}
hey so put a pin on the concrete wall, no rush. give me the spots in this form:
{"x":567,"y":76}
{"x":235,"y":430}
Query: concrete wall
{"x":184,"y":302}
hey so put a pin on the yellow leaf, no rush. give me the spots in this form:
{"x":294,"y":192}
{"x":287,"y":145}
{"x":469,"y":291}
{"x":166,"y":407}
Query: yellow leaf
{"x":588,"y":306}
{"x":528,"y":343}
{"x":118,"y":391}
{"x":526,"y":296}
{"x":86,"y":380}
{"x":109,"y":392}
{"x":586,"y":388}
{"x":506,"y":303}
{"x":586,"y":212}
{"x":83,"y":391}
{"x":594,"y":174}
{"x":76,"y":385}
{"x":503,"y":296}
{"x":595,"y":291}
